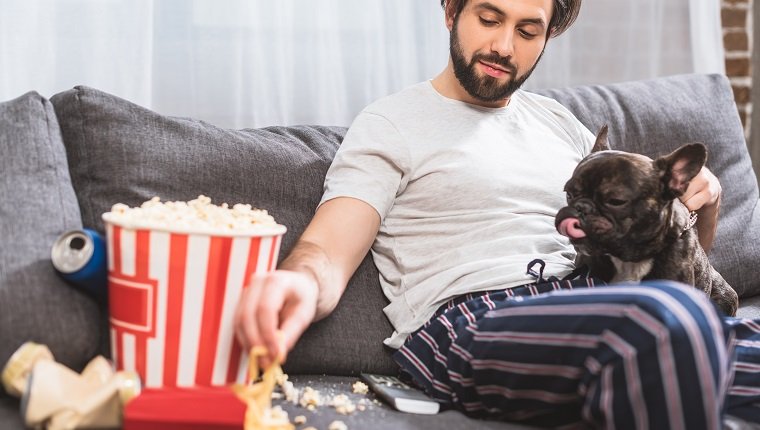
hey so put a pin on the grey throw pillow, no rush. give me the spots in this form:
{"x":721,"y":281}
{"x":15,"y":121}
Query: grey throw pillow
{"x":655,"y":117}
{"x":37,"y":204}
{"x":121,"y":152}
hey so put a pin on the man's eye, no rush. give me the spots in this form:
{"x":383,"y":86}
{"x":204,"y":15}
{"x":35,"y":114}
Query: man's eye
{"x":487,"y":23}
{"x":526,"y":34}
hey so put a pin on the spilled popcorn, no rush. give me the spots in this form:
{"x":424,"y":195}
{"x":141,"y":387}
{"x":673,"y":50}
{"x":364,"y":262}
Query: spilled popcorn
{"x":360,"y":387}
{"x":337,"y":425}
{"x":343,"y":405}
{"x":311,"y":399}
{"x":307,"y":398}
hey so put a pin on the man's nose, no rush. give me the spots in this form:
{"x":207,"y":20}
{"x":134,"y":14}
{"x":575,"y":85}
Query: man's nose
{"x":503,"y":43}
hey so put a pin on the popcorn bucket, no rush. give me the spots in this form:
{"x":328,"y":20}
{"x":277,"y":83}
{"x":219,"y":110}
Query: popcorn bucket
{"x":172,"y":299}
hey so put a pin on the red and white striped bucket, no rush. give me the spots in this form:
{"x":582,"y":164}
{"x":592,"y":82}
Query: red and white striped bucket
{"x":172,"y":299}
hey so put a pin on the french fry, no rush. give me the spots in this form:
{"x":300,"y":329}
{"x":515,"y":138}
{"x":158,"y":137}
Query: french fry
{"x":257,"y":395}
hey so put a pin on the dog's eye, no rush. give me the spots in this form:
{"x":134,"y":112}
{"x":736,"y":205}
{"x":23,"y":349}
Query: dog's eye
{"x":616,"y":202}
{"x":569,"y":195}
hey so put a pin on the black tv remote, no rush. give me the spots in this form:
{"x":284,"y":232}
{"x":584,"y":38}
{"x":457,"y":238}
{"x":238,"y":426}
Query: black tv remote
{"x":401,"y":396}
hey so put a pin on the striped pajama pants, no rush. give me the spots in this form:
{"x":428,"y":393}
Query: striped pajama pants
{"x":656,"y":355}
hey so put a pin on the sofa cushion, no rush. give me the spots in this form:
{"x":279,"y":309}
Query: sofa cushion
{"x":10,"y":418}
{"x":120,"y":152}
{"x":655,"y":117}
{"x":37,"y":203}
{"x":377,"y":414}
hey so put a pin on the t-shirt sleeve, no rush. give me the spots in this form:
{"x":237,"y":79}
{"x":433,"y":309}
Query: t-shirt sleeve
{"x":371,"y":164}
{"x":585,"y":137}
{"x":580,"y":134}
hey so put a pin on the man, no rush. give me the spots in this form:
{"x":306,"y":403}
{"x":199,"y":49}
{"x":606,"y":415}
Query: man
{"x":454,"y":183}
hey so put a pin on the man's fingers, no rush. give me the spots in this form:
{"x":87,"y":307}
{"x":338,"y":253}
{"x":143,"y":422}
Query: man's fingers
{"x":704,"y":189}
{"x":282,"y":349}
{"x":696,"y":201}
{"x":268,"y":319}
{"x":290,"y":334}
{"x":294,"y":323}
{"x":273,"y":312}
{"x":247,"y":329}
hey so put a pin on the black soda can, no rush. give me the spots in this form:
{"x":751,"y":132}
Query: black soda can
{"x":79,"y":257}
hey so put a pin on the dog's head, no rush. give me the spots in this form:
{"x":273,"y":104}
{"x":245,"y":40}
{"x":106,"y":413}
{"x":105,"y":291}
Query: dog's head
{"x":623,"y":204}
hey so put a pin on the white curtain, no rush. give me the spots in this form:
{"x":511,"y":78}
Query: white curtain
{"x":621,"y":40}
{"x":253,"y":63}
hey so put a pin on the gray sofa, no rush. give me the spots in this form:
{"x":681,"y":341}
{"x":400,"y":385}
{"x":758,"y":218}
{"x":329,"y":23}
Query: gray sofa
{"x":66,"y":160}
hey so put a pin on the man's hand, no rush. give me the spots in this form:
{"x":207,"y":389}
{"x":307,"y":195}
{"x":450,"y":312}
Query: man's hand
{"x":703,"y":196}
{"x":703,"y":190}
{"x":283,"y":302}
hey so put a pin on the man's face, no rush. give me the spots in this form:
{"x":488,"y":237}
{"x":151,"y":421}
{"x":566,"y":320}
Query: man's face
{"x":496,"y":44}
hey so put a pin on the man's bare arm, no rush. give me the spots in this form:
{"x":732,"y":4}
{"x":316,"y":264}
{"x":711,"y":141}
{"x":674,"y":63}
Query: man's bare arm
{"x":707,"y":224}
{"x":310,"y":281}
{"x":313,"y":260}
{"x":333,"y":246}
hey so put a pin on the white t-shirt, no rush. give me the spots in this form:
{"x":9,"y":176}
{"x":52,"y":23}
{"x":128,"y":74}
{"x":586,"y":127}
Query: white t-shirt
{"x":466,"y":195}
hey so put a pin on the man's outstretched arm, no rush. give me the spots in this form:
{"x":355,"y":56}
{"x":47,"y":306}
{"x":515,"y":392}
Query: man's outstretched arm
{"x":310,"y":281}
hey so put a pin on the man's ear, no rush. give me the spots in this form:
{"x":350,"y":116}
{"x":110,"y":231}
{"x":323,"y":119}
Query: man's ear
{"x":601,"y":140}
{"x":448,"y":13}
{"x":678,"y":168}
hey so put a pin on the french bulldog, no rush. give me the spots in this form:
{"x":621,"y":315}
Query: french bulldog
{"x":625,"y":220}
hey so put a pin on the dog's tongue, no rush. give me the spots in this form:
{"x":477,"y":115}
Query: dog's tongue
{"x":570,"y":227}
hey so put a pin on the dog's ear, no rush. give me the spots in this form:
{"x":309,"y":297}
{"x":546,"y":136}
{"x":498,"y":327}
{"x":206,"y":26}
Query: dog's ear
{"x":679,"y":167}
{"x":601,"y":140}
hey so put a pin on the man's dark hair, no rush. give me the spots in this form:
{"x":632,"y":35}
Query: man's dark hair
{"x":563,"y":15}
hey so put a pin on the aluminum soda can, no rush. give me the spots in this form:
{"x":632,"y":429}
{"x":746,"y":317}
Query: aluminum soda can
{"x":79,"y":256}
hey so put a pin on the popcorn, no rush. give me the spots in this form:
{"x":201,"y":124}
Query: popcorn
{"x":343,"y":405}
{"x":274,"y":416}
{"x":360,"y":387}
{"x":288,"y":389}
{"x":337,"y":425}
{"x":310,"y":399}
{"x":198,"y":215}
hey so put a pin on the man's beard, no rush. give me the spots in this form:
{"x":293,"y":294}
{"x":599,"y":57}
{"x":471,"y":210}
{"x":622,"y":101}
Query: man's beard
{"x":484,"y":88}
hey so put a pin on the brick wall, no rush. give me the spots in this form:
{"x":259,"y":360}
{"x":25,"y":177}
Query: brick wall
{"x":737,"y":39}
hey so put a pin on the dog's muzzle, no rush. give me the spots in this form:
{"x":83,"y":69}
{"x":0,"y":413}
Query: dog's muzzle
{"x":567,"y":223}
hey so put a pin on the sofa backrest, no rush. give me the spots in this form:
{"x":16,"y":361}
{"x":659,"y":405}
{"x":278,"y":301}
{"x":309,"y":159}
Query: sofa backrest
{"x":120,"y":152}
